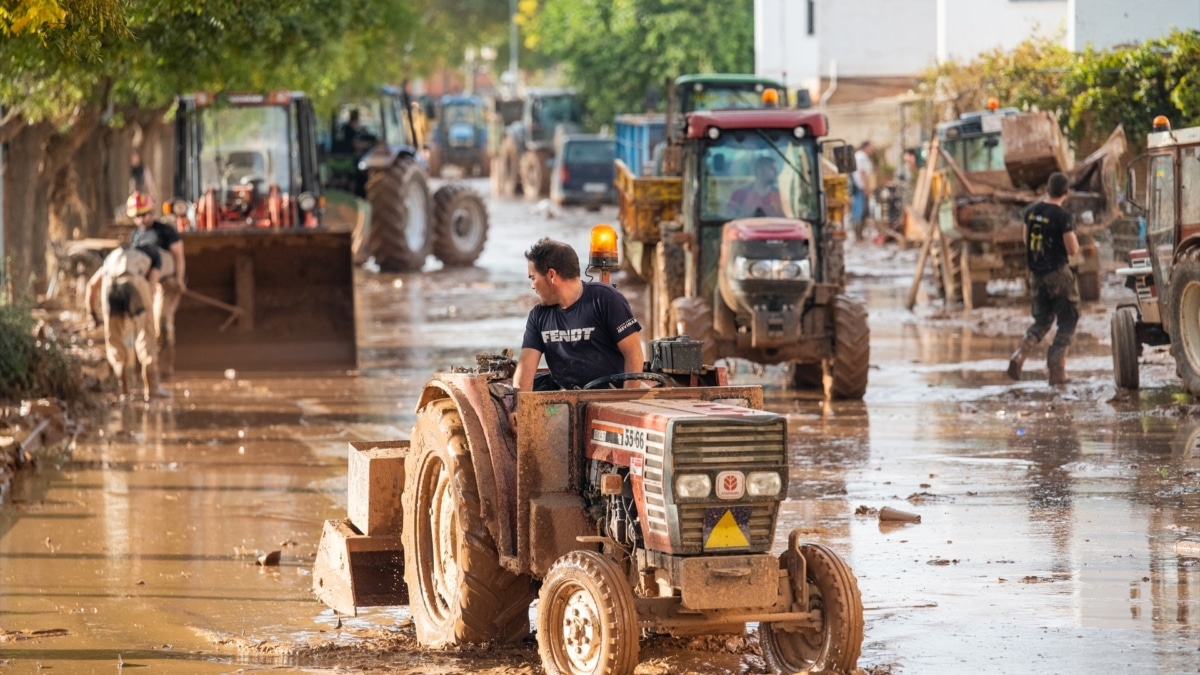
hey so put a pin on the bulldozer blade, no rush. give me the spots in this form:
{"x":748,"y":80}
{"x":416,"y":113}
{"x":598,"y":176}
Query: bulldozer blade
{"x":354,"y":570}
{"x":267,"y":300}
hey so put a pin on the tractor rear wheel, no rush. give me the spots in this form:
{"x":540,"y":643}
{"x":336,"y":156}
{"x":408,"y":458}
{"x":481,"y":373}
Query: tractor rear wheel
{"x":458,"y":591}
{"x":510,"y":165}
{"x":399,"y":238}
{"x":1125,"y":348}
{"x":833,"y":591}
{"x":435,"y":162}
{"x":1089,"y":286}
{"x":587,"y":623}
{"x":852,"y":348}
{"x":460,"y":225}
{"x":535,"y":175}
{"x":1185,"y":319}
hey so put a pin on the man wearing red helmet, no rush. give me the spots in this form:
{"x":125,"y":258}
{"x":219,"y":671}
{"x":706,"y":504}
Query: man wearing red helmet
{"x":155,"y":233}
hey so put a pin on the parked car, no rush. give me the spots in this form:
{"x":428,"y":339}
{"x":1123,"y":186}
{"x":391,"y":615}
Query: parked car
{"x":583,"y":170}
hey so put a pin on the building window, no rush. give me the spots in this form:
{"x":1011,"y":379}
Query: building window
{"x":812,"y":14}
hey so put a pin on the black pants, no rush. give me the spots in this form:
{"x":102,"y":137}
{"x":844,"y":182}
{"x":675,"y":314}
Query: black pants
{"x":1055,"y":297}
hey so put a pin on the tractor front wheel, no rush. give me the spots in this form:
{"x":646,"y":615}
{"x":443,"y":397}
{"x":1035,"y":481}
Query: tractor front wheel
{"x":833,"y":592}
{"x":460,"y":225}
{"x":1125,"y":348}
{"x":458,"y":591}
{"x":399,"y":238}
{"x":510,"y":168}
{"x":852,"y":348}
{"x":587,"y":623}
{"x":535,"y":175}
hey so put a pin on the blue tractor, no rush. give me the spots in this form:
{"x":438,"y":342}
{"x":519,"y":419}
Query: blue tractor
{"x":459,"y":136}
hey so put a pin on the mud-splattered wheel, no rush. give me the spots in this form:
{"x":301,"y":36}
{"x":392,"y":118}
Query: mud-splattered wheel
{"x":460,"y":225}
{"x":1125,"y":348}
{"x":399,"y":238}
{"x":435,"y":162}
{"x":458,"y":592}
{"x":535,"y":175}
{"x":587,"y":623}
{"x":852,"y":348}
{"x":1185,"y":320}
{"x":1089,"y":286}
{"x":510,"y":165}
{"x":833,"y":592}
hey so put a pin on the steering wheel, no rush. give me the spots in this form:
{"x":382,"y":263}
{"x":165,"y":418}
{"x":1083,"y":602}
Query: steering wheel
{"x":618,"y":378}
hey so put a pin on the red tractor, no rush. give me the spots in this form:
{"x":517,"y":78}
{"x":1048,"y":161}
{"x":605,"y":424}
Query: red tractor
{"x":621,"y":510}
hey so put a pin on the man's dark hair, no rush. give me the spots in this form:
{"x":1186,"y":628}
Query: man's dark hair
{"x":1057,"y":186}
{"x":548,"y":255}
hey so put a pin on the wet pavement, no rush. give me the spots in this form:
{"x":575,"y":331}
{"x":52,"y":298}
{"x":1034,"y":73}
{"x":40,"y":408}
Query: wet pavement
{"x":1048,"y":516}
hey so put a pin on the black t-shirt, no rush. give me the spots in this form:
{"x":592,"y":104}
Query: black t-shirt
{"x":580,"y":342}
{"x":157,"y":234}
{"x":1045,"y":226}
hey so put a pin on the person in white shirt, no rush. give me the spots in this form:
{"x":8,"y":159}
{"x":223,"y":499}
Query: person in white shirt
{"x":863,"y":179}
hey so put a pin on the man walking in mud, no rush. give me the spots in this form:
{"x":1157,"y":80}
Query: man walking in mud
{"x":586,"y":330}
{"x":168,"y":293}
{"x":118,"y":297}
{"x":1050,"y":242}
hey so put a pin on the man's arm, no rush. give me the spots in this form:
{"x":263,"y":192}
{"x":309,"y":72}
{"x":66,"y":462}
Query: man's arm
{"x":527,"y":364}
{"x":1071,"y":242}
{"x":631,"y":349}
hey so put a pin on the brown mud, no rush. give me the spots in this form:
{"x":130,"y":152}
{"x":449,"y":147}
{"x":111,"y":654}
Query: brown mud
{"x":1049,"y":516}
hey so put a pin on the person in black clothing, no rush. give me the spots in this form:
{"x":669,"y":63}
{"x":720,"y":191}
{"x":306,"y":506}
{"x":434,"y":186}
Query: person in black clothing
{"x":1050,"y":242}
{"x":586,"y":330}
{"x":352,"y":138}
{"x":168,"y":293}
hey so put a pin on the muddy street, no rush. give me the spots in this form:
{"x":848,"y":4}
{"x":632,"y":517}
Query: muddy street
{"x":1049,"y":517}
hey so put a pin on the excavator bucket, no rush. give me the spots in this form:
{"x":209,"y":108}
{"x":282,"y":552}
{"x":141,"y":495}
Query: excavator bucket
{"x":267,"y":300}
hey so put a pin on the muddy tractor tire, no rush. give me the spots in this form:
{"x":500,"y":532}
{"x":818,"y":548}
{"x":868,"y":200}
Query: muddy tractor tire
{"x":435,"y":162}
{"x":1184,"y":309}
{"x":852,"y":349}
{"x":535,"y":175}
{"x":510,"y":168}
{"x":667,"y":283}
{"x":458,"y":591}
{"x":400,"y":235}
{"x":1089,"y":286}
{"x":587,"y":622}
{"x":693,"y":317}
{"x":460,"y":225}
{"x":833,"y":591}
{"x":1125,"y":348}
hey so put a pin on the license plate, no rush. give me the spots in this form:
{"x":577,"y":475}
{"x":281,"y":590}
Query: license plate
{"x":595,"y":187}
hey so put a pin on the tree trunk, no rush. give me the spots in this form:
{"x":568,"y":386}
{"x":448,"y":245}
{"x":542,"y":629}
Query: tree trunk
{"x":25,"y":212}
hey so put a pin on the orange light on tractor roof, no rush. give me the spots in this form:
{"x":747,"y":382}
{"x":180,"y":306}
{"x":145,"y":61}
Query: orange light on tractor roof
{"x":770,"y":97}
{"x":993,"y":103}
{"x":1161,"y":123}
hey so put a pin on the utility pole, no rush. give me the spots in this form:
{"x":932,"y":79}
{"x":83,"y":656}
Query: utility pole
{"x":512,"y":45}
{"x":3,"y":263}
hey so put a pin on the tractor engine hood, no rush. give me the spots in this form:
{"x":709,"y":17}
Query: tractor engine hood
{"x":707,"y":476}
{"x":766,"y":264}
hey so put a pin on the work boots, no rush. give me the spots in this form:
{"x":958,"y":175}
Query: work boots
{"x":152,"y":388}
{"x":1056,"y":365}
{"x":166,"y":362}
{"x":1017,"y":360}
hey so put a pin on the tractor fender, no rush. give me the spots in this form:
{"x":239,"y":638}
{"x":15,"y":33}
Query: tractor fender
{"x":1186,"y":248}
{"x":493,"y":454}
{"x":383,"y":156}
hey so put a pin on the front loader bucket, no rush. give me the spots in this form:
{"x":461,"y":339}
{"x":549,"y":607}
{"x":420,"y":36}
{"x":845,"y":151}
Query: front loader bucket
{"x":266,"y":300}
{"x":354,"y":570}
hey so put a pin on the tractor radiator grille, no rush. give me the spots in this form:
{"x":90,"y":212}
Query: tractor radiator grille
{"x":711,"y":446}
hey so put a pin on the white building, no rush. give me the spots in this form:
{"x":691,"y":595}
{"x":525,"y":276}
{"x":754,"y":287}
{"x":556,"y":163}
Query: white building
{"x":850,"y":50}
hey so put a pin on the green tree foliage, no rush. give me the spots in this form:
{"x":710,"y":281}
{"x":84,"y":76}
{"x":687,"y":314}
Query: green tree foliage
{"x":614,"y":51}
{"x":1091,"y":92}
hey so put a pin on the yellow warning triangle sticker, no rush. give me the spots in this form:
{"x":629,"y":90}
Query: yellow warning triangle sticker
{"x":726,"y":534}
